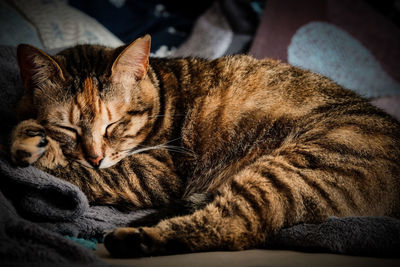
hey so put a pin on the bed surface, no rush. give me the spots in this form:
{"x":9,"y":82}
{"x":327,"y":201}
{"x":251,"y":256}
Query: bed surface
{"x":253,"y":257}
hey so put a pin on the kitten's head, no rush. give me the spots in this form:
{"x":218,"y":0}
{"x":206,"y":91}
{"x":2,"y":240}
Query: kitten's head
{"x":98,"y":103}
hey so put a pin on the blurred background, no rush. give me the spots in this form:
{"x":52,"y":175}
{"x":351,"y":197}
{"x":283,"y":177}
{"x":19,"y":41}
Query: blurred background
{"x":354,"y":42}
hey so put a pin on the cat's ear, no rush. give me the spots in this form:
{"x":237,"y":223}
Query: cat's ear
{"x":36,"y":66}
{"x":133,"y":62}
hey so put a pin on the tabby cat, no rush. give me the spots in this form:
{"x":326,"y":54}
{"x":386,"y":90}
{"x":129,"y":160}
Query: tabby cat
{"x":229,"y":150}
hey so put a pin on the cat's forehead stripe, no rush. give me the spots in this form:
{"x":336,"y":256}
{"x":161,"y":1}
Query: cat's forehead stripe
{"x":90,"y":94}
{"x":88,"y":89}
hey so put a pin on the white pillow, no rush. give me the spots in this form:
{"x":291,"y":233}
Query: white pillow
{"x":60,"y":25}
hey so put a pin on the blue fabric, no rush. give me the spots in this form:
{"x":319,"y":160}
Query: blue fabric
{"x":168,"y":22}
{"x":88,"y":243}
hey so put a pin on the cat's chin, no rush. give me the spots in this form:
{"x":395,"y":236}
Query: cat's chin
{"x":105,"y":163}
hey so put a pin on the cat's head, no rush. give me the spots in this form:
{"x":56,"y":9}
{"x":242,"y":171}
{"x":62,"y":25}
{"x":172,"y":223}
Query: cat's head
{"x":98,"y":103}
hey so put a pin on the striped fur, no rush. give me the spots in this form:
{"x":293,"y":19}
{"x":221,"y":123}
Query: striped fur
{"x":231,"y":149}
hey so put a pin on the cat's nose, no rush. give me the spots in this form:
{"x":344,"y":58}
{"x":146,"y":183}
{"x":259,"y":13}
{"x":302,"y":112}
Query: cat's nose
{"x":95,"y":160}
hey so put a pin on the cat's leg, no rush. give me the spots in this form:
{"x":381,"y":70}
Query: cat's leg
{"x":176,"y":208}
{"x":241,"y":215}
{"x":298,"y":183}
{"x":31,"y":146}
{"x":228,"y":223}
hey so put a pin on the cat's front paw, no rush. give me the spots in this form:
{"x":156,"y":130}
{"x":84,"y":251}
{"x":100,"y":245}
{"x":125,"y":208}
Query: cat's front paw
{"x":28,"y":143}
{"x":127,"y":242}
{"x":131,"y":242}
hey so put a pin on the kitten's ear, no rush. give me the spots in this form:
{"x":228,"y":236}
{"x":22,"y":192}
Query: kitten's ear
{"x":133,"y":62}
{"x":36,"y":66}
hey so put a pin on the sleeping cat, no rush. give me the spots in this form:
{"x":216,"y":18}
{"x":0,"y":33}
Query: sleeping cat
{"x":229,"y":150}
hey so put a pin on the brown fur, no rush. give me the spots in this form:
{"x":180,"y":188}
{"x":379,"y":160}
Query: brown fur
{"x":240,"y":147}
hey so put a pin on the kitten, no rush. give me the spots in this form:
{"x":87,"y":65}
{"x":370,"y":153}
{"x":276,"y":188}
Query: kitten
{"x":230,"y":150}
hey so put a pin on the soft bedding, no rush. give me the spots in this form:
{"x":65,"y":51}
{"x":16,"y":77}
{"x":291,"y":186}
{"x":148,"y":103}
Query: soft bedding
{"x":38,"y":212}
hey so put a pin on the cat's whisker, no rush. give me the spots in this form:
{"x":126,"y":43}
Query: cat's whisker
{"x":135,"y":151}
{"x":160,"y":146}
{"x":179,"y":149}
{"x":168,"y":142}
{"x":163,"y":115}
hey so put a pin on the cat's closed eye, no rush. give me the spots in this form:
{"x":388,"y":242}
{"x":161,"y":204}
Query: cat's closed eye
{"x":110,"y":128}
{"x":69,"y":129}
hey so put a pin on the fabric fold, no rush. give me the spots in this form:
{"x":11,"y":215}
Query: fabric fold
{"x":41,"y":196}
{"x":362,"y":236}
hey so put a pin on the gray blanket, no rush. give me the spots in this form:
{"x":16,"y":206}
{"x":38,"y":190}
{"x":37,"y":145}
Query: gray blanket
{"x":24,"y":243}
{"x":37,"y":210}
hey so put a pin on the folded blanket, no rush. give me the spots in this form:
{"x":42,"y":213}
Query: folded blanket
{"x":366,"y":236}
{"x":54,"y":208}
{"x":25,"y":242}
